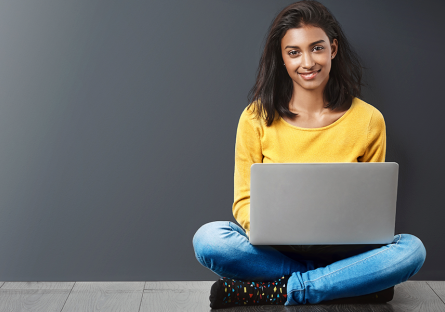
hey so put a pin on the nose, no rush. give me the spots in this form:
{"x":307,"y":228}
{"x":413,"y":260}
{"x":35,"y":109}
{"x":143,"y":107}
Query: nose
{"x":306,"y":61}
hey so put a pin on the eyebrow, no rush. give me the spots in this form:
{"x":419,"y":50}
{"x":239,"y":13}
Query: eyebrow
{"x":297,"y":47}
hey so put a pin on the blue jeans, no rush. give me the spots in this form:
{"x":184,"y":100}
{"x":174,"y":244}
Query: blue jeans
{"x":224,"y":248}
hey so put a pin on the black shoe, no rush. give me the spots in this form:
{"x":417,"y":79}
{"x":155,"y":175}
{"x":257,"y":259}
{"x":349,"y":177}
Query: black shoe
{"x":216,"y":295}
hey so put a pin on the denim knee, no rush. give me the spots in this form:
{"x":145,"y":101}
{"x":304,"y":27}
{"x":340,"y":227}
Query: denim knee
{"x":417,"y":252}
{"x":205,"y":241}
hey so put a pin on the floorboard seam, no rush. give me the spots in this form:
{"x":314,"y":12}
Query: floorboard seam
{"x":67,"y":297}
{"x":142,"y":297}
{"x":434,"y":292}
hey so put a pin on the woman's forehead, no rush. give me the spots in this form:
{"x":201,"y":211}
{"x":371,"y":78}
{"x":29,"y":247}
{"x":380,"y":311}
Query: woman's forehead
{"x":303,"y":36}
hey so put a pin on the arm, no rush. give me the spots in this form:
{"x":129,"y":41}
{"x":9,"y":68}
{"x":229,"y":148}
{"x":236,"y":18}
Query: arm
{"x":376,"y":142}
{"x":247,"y":152}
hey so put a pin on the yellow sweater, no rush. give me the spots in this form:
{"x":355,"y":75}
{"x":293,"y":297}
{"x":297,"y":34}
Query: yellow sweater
{"x":358,"y":136}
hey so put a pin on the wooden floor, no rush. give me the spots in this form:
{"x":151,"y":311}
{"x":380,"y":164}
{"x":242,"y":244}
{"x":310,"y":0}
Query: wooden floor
{"x":182,"y":296}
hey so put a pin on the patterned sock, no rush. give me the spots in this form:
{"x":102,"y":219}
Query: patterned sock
{"x":229,"y":292}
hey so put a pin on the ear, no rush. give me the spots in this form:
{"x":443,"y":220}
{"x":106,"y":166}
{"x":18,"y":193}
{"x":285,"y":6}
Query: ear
{"x":334,"y":48}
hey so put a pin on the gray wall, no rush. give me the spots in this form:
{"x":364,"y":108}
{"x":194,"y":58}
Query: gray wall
{"x":118,"y":122}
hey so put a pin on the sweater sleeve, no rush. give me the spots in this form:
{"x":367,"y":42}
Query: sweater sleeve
{"x":376,"y":143}
{"x":247,"y":152}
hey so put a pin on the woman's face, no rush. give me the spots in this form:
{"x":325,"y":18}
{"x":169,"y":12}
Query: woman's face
{"x":307,"y":55}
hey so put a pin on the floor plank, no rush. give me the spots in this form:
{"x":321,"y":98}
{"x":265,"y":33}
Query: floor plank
{"x":182,"y":285}
{"x":176,"y":296}
{"x":105,"y":296}
{"x":413,"y":296}
{"x":108,"y":286}
{"x":32,"y":300}
{"x":105,"y":301}
{"x":439,"y":288}
{"x":38,"y":285}
{"x":175,"y":300}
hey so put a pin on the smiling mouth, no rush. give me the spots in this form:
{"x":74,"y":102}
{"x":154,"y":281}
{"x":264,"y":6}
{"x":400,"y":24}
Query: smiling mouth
{"x":309,"y":75}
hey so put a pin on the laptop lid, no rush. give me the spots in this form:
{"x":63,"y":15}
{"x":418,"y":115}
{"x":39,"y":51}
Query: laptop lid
{"x":323,"y":203}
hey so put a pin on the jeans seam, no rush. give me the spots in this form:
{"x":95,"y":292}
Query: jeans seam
{"x":400,"y":237}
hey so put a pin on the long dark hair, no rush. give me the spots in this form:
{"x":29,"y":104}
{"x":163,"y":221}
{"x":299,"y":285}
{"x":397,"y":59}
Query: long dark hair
{"x":273,"y":87}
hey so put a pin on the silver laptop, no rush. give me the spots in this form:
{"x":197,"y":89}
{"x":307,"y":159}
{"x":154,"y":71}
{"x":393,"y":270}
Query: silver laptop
{"x":323,"y":203}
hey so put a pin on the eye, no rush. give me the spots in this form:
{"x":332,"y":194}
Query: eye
{"x":318,"y":48}
{"x":293,"y":53}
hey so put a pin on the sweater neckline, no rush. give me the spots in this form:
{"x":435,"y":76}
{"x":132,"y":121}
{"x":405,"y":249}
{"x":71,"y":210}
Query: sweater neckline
{"x":321,"y":128}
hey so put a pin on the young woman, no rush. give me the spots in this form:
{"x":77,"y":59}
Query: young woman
{"x":305,"y":107}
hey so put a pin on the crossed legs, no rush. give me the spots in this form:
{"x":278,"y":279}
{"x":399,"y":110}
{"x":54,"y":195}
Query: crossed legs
{"x":224,"y":248}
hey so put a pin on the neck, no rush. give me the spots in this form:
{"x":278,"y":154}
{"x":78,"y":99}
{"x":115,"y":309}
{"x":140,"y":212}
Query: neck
{"x":307,"y":101}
